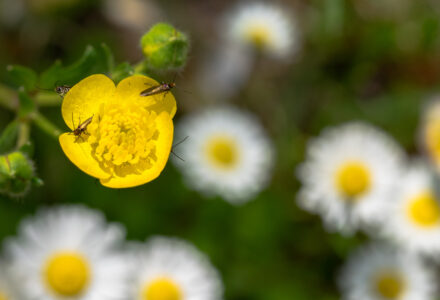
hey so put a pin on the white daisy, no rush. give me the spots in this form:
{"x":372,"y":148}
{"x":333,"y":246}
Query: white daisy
{"x":414,"y":220}
{"x":349,"y":175}
{"x":227,"y":153}
{"x":263,"y":26}
{"x":8,"y":290}
{"x":379,"y":272}
{"x":172,"y":269}
{"x":430,"y":131}
{"x":69,"y":253}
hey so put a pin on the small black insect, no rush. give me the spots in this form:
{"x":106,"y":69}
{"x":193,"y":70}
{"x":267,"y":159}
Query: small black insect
{"x":82,"y":127}
{"x":62,"y":90}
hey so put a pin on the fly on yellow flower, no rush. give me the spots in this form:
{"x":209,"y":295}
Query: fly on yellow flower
{"x":129,"y":140}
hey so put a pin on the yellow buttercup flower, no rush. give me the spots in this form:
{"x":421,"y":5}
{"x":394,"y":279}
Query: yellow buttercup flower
{"x":129,"y":138}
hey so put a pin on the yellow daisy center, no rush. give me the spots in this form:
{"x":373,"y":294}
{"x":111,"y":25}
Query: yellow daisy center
{"x":432,"y":138}
{"x":222,"y":152}
{"x":162,"y":289}
{"x":390,"y":285}
{"x":67,"y":273}
{"x":353,"y":179}
{"x":424,"y":210}
{"x":258,"y":35}
{"x":124,"y":138}
{"x":3,"y":296}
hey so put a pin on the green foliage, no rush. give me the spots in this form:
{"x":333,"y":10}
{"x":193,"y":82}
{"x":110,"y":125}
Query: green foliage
{"x":19,"y":76}
{"x":121,"y":71}
{"x":165,"y":47}
{"x":94,"y":60}
{"x":8,"y":137}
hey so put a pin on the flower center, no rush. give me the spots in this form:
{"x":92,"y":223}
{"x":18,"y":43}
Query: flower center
{"x":258,"y":35}
{"x":222,"y":152}
{"x":162,"y":289}
{"x":124,"y":138}
{"x":67,"y":273}
{"x":390,"y":285}
{"x":424,"y":210}
{"x":353,"y":179}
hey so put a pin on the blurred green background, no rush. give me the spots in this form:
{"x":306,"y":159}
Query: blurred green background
{"x":370,"y":60}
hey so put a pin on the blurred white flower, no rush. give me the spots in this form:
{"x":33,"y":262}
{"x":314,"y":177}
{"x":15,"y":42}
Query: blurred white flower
{"x":8,"y":288}
{"x":172,"y":269}
{"x":414,"y":220}
{"x":227,"y":154}
{"x":134,"y":14}
{"x":379,"y":272}
{"x":349,"y":176}
{"x":263,"y":26}
{"x":430,"y":131}
{"x":69,"y":252}
{"x":223,"y":72}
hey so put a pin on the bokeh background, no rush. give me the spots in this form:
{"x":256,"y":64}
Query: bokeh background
{"x":377,"y":61}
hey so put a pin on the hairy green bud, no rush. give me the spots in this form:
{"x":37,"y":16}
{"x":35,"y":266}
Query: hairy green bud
{"x":17,"y":174}
{"x":165,"y":47}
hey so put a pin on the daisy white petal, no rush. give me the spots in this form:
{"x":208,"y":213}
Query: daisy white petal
{"x":172,"y":269}
{"x":414,"y":220}
{"x":227,"y":153}
{"x":69,"y":252}
{"x":349,"y":176}
{"x":263,"y":26}
{"x":380,"y":272}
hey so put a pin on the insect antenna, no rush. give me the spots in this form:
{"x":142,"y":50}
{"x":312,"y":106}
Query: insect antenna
{"x":180,"y":142}
{"x":177,"y":144}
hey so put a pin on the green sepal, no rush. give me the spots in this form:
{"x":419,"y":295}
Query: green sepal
{"x":122,"y":71}
{"x":8,"y":138}
{"x":18,"y":76}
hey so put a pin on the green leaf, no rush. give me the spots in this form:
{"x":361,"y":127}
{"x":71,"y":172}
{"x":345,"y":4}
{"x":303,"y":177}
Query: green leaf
{"x":27,"y":149}
{"x":18,"y":76}
{"x":58,"y":75}
{"x":122,"y":71}
{"x":107,"y":55}
{"x":27,"y":105}
{"x":8,"y":138}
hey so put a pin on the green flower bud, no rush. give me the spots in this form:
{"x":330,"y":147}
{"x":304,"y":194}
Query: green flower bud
{"x":17,"y":174}
{"x":164,"y":47}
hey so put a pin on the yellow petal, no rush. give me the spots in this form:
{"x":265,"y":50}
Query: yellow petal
{"x":131,"y":87}
{"x":79,"y":153}
{"x":85,"y":98}
{"x":165,"y":140}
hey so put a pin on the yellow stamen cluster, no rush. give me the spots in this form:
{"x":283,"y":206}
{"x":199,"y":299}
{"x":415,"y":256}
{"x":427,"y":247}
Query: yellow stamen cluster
{"x":390,"y":285}
{"x":424,"y":210}
{"x":124,"y":137}
{"x":162,"y":289}
{"x":353,"y":179}
{"x":259,"y":36}
{"x":222,"y":152}
{"x":67,"y":273}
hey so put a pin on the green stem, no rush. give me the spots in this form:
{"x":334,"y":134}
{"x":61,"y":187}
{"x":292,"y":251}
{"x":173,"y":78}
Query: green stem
{"x":46,"y":125}
{"x":46,"y":98}
{"x":8,"y":98}
{"x":24,"y":132}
